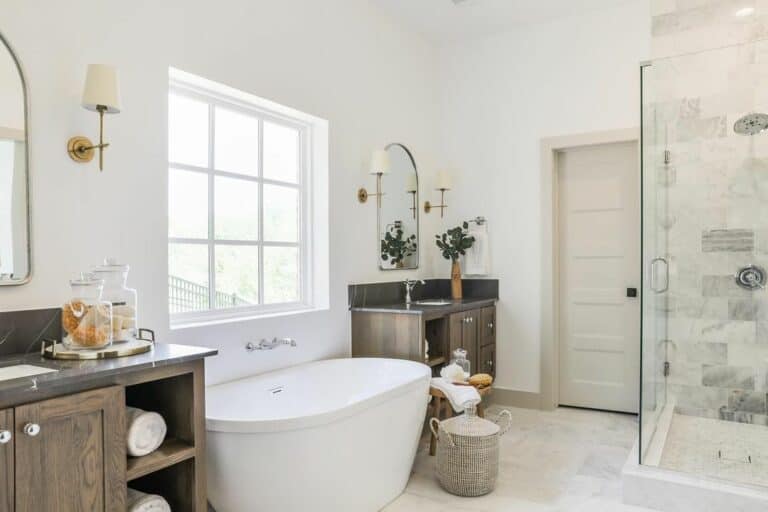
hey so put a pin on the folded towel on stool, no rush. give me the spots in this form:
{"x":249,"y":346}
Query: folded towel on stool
{"x":137,"y":501}
{"x":145,"y":431}
{"x":458,"y":396}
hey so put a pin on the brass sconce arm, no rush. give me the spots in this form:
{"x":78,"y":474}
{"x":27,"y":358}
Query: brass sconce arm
{"x":428,"y":206}
{"x":81,"y":149}
{"x":363,"y":194}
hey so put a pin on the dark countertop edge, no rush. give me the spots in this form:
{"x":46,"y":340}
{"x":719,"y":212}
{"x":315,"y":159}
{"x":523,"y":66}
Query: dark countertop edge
{"x":69,"y":374}
{"x":431,"y":311}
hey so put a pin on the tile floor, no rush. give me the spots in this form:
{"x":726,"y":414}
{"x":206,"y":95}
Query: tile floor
{"x":567,"y":460}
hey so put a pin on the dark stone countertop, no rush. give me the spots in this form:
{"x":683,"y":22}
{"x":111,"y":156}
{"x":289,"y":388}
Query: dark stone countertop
{"x":79,"y":372}
{"x":455,"y":306}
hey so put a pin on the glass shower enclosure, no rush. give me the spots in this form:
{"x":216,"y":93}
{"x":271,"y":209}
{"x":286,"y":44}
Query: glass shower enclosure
{"x":705,"y":254}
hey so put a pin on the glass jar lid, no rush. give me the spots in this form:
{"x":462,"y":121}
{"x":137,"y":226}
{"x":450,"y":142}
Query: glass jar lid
{"x":86,"y":279}
{"x":111,"y":265}
{"x":460,"y":353}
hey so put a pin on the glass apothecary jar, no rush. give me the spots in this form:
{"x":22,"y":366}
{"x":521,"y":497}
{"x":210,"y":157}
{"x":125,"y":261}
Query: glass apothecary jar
{"x":123,"y":299}
{"x":460,"y":358}
{"x":87,"y":318}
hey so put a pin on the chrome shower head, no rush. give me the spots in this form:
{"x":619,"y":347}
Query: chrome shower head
{"x":751,"y":124}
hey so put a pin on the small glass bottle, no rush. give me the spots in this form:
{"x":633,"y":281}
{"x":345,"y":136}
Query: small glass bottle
{"x":460,"y":358}
{"x":123,"y":299}
{"x":86,"y":318}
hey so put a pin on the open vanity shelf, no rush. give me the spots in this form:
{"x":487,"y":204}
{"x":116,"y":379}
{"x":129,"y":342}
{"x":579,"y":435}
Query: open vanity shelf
{"x":176,"y":469}
{"x":77,"y":458}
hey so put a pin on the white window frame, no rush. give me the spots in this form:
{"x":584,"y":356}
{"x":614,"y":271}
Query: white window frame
{"x":310,"y":298}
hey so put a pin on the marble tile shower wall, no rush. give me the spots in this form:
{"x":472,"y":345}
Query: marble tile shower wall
{"x":689,"y":26}
{"x":714,"y":219}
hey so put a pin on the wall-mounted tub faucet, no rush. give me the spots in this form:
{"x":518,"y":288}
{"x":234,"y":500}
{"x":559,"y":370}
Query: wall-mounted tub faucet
{"x":409,"y":285}
{"x":269,"y":345}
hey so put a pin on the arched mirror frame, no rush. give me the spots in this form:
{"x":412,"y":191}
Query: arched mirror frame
{"x":27,"y":210}
{"x":380,"y":227}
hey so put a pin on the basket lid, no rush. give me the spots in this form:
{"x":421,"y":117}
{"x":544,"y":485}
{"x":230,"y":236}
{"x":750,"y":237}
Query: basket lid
{"x":470,"y":425}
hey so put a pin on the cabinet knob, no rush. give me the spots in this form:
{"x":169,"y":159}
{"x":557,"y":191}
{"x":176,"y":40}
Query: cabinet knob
{"x":490,"y":363}
{"x":32,"y":429}
{"x":490,"y":325}
{"x":5,"y":436}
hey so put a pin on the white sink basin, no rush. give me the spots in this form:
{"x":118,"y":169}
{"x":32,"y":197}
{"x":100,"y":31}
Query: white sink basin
{"x":438,"y":302}
{"x":22,"y":370}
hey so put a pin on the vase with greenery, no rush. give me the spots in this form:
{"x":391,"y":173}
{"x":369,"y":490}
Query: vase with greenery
{"x":396,"y":246}
{"x":453,"y":244}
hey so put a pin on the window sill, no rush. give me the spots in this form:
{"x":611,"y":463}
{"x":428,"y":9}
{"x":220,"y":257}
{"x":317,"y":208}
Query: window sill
{"x":207,"y":320}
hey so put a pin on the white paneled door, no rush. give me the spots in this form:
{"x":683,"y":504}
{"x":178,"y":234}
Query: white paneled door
{"x":599,"y":276}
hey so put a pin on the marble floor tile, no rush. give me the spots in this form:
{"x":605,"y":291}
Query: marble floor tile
{"x":567,"y":460}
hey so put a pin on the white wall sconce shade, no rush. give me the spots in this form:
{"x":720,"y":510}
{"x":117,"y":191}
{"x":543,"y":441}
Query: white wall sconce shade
{"x":101,"y":89}
{"x":380,"y":165}
{"x":444,"y":180}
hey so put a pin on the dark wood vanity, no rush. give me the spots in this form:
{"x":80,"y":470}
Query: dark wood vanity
{"x":65,"y":444}
{"x":400,"y":332}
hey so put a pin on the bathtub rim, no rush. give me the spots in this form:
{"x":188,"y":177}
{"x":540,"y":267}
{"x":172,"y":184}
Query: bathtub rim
{"x":243,"y":426}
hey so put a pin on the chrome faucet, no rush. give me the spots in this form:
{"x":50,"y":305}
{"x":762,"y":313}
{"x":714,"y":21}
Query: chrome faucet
{"x":409,"y":285}
{"x":270,"y":345}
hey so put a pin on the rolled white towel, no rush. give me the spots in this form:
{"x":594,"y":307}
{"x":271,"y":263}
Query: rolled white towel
{"x":145,"y":431}
{"x":140,"y":502}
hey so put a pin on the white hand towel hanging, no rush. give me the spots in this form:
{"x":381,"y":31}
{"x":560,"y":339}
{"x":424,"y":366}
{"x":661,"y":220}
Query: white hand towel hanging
{"x":477,"y":261}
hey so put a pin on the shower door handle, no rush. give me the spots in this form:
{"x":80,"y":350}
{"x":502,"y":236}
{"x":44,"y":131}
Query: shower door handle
{"x":654,"y":285}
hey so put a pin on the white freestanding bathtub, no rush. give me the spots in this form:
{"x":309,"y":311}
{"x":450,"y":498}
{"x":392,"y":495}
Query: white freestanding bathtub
{"x":338,"y":435}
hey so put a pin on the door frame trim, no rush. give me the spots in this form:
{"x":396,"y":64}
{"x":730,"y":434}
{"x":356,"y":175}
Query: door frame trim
{"x":550,"y":249}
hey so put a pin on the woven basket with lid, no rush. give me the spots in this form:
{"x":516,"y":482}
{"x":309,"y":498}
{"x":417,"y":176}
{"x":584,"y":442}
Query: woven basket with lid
{"x":468,"y":452}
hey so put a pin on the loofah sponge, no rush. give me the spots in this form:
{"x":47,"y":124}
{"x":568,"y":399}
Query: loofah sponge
{"x":481,"y":380}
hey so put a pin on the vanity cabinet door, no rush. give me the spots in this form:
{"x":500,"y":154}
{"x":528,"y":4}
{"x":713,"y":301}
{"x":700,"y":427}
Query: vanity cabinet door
{"x":70,"y":453}
{"x":6,"y":459}
{"x":488,"y":360}
{"x":487,"y":326}
{"x":464,"y":334}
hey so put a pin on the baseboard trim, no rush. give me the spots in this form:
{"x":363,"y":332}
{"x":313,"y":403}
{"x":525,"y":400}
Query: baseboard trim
{"x":514,"y":398}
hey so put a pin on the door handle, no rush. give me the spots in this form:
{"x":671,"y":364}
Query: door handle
{"x":654,"y":264}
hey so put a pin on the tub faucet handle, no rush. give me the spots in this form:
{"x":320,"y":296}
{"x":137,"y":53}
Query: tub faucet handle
{"x":269,"y":345}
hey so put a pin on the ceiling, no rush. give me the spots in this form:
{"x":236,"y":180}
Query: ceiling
{"x":450,"y":20}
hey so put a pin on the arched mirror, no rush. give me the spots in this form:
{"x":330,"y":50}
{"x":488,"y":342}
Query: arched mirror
{"x":15,"y":265}
{"x":398,"y":219}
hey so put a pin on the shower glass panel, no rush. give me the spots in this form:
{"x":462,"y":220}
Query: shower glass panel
{"x":705,"y":245}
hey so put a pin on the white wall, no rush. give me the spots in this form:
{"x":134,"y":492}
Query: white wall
{"x":501,"y":96}
{"x":337,"y":59}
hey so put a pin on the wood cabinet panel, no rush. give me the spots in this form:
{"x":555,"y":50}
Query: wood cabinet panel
{"x":487,"y":363}
{"x":387,"y":335}
{"x":487,"y":326}
{"x":77,"y":461}
{"x":464,"y":334}
{"x":7,"y":480}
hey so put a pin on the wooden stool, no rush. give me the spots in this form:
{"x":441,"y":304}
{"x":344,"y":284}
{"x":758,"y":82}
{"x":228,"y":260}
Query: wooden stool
{"x":441,"y":404}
